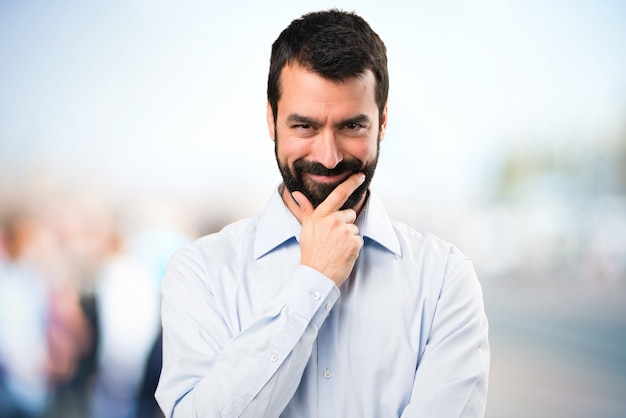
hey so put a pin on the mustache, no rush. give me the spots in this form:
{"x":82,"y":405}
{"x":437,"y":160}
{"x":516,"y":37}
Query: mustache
{"x":345,"y":166}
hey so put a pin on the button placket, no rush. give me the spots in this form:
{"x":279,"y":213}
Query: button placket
{"x":325,"y":363}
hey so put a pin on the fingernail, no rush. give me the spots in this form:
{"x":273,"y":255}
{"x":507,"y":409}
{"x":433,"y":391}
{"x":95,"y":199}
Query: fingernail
{"x":362,"y":177}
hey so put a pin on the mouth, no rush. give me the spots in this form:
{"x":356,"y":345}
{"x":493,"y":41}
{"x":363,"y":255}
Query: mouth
{"x":328,"y":179}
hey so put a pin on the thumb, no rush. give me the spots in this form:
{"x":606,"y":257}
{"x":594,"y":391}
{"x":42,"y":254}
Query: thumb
{"x":305,"y":206}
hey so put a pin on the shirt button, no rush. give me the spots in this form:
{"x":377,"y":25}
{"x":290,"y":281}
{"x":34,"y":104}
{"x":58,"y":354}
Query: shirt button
{"x":274,"y":358}
{"x":327,"y":374}
{"x":316,"y":295}
{"x":328,"y":306}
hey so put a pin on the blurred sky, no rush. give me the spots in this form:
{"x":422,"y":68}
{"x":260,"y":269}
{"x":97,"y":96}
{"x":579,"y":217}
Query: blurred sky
{"x":170,"y":96}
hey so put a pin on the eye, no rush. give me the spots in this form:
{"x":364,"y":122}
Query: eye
{"x":303,"y":130}
{"x":302,"y":126}
{"x":354,"y":128}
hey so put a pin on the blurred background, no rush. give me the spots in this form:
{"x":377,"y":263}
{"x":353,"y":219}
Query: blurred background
{"x":128,"y":128}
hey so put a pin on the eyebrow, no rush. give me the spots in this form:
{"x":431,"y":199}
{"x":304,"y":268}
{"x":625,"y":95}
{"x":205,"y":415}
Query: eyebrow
{"x":296,"y":118}
{"x":361,"y":119}
{"x":301,"y":119}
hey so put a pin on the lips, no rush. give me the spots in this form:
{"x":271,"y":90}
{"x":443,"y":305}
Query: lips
{"x":328,"y":179}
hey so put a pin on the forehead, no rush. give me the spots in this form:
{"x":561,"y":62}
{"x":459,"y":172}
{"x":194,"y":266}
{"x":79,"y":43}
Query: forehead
{"x":304,"y":89}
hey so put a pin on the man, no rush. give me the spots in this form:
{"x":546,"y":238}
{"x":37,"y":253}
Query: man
{"x":321,"y":306}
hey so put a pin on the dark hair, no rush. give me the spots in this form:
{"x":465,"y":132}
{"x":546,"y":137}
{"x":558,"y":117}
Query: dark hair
{"x":335,"y":44}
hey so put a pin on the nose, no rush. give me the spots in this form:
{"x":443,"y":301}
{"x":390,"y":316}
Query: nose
{"x":326,"y":150}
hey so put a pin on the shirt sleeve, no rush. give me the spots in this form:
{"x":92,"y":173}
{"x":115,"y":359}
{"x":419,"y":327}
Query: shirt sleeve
{"x":208,"y":372}
{"x":452,"y":373}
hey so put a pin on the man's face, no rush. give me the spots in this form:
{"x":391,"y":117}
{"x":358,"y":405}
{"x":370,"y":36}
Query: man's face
{"x":325,"y":131}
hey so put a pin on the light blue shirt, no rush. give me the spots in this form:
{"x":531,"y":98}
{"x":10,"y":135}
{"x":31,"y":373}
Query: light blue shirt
{"x":248,"y":332}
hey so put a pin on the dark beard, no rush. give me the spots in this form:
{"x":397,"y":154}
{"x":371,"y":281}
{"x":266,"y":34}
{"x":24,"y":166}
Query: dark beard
{"x":318,"y":192}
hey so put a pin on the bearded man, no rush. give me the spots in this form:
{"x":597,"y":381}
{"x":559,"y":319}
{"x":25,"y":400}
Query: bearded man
{"x":321,"y":305}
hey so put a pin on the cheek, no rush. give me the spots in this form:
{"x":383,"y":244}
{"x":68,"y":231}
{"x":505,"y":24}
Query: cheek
{"x":365,"y":152}
{"x":290,"y":150}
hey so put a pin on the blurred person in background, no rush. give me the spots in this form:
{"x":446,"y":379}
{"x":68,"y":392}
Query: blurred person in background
{"x":321,"y":305}
{"x":43,"y":333}
{"x":127,"y":304}
{"x":127,"y":312}
{"x":24,"y":388}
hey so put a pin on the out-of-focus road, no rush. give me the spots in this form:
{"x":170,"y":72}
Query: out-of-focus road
{"x":557,"y":351}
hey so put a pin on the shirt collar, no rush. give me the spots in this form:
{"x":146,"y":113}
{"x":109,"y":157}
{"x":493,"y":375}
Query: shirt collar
{"x":278,"y":225}
{"x":375,"y":224}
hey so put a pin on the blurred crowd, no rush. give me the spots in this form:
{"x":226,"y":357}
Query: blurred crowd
{"x":79,"y":306}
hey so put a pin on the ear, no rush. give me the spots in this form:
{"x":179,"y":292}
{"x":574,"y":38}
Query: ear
{"x":271,"y":126}
{"x":383,"y":123}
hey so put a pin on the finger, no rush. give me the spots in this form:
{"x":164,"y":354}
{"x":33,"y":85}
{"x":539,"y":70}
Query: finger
{"x":352,"y":229}
{"x":347,"y":215}
{"x":342,"y":192}
{"x":305,"y":205}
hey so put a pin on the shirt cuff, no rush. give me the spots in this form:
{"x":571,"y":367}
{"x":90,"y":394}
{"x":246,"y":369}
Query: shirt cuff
{"x":309,"y":293}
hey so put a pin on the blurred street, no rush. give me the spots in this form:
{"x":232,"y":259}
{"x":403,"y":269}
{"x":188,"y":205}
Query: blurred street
{"x":556,"y":351}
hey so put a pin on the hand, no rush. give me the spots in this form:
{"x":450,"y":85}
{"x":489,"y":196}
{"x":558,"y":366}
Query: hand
{"x":330,"y":241}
